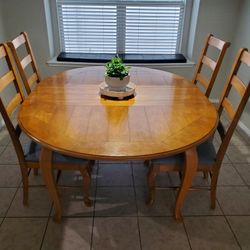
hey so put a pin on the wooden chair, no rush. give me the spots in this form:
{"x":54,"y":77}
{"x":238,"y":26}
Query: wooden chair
{"x":19,"y":43}
{"x":208,"y":159}
{"x":29,"y":157}
{"x":212,"y":65}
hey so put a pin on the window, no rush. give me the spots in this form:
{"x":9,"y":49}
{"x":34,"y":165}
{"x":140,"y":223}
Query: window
{"x":132,"y":29}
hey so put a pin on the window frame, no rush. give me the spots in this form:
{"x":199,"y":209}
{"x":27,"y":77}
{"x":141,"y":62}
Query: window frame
{"x":56,"y":44}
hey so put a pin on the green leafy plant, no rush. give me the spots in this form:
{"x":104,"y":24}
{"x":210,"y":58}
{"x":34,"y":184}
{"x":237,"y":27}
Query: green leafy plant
{"x":115,"y":68}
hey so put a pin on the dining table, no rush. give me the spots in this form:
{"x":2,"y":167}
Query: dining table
{"x":167,"y":115}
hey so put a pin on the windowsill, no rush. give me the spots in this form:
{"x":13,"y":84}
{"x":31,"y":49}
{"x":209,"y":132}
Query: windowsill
{"x":54,"y":63}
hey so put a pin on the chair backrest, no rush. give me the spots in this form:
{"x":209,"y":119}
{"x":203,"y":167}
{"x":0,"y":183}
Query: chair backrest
{"x":212,"y":65}
{"x":233,"y":110}
{"x":8,"y":107}
{"x":22,"y":41}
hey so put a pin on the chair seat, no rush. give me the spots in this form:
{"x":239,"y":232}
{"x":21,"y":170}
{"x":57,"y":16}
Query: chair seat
{"x":206,"y":156}
{"x":32,"y":153}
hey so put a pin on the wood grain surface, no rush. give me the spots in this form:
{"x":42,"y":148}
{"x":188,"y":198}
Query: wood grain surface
{"x":168,"y":115}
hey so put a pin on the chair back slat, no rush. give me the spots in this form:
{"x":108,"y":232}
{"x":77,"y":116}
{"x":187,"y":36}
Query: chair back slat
{"x":26,"y":61}
{"x":238,"y":85}
{"x":213,"y":65}
{"x":22,"y":63}
{"x":202,"y":79}
{"x":246,"y":59}
{"x":33,"y":78}
{"x":18,"y":41}
{"x":234,"y":112}
{"x":229,"y":108}
{"x":13,"y":104}
{"x":215,"y":42}
{"x":6,"y":79}
{"x":2,"y":52}
{"x":209,"y":62}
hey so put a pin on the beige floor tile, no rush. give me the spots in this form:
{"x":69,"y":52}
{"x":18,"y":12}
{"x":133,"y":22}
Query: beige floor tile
{"x":1,"y":151}
{"x":118,"y":201}
{"x":234,"y":200}
{"x":238,"y":139}
{"x":22,"y":233}
{"x":72,"y":233}
{"x":198,"y":203}
{"x":116,"y":233}
{"x":139,"y":174}
{"x":240,"y":225}
{"x":239,"y":154}
{"x":210,"y":232}
{"x":39,"y":203}
{"x":74,"y":178}
{"x":4,"y":137}
{"x":10,"y":175}
{"x":72,"y":202}
{"x":164,"y":203}
{"x":162,"y":233}
{"x":229,"y":177}
{"x":198,"y":180}
{"x":36,"y":180}
{"x":244,"y":171}
{"x":140,"y":177}
{"x":7,"y":195}
{"x":114,"y":175}
{"x":9,"y":156}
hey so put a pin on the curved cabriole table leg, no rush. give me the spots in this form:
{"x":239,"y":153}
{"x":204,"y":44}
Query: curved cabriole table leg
{"x":48,"y":177}
{"x":189,"y":171}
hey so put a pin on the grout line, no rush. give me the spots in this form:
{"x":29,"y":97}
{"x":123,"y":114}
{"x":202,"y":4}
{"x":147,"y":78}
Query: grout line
{"x":232,"y":232}
{"x":136,"y":205}
{"x":185,"y":229}
{"x":94,"y":203}
{"x":46,"y":227}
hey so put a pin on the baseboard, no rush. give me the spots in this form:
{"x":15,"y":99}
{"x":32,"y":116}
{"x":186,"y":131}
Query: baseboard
{"x":244,"y":128}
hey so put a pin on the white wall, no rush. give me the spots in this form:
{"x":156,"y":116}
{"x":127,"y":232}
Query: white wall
{"x":242,"y":39}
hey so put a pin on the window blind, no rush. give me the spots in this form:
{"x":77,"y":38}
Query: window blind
{"x":121,"y":26}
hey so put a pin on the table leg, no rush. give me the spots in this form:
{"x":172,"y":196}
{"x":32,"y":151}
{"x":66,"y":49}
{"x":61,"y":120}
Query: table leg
{"x":48,"y":176}
{"x":189,"y":171}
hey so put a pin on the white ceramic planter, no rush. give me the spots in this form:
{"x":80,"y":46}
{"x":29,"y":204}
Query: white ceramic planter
{"x":115,"y":84}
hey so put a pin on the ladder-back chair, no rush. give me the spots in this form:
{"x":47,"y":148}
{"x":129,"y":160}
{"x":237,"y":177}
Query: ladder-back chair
{"x":29,"y":157}
{"x":209,"y":161}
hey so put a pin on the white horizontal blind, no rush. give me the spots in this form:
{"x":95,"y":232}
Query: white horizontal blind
{"x":153,"y":29}
{"x":121,"y":26}
{"x":87,"y":28}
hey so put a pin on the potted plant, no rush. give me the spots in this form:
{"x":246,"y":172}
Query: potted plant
{"x":117,"y":74}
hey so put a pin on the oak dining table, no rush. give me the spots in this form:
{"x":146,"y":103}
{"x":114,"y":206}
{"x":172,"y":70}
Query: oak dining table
{"x":167,"y":115}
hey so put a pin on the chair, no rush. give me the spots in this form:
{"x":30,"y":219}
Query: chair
{"x":209,"y":160}
{"x":213,"y":66}
{"x":29,"y":157}
{"x":20,"y":47}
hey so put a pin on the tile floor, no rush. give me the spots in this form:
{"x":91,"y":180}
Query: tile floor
{"x":119,"y":218}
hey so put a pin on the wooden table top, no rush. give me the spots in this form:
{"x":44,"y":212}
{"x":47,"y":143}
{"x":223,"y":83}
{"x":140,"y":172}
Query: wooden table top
{"x":167,"y":115}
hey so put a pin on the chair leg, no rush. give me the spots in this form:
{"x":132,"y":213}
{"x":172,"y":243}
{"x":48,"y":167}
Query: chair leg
{"x":35,"y":171}
{"x":151,"y":185}
{"x":86,"y":185}
{"x":214,"y":180}
{"x":205,"y":175}
{"x":147,"y":163}
{"x":25,"y":180}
